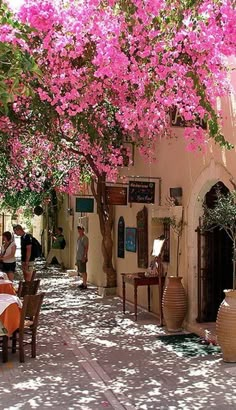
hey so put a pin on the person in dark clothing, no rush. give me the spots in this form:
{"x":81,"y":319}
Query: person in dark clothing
{"x":27,"y":257}
{"x":82,"y":256}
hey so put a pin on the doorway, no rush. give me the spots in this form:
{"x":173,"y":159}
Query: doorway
{"x":215,"y":267}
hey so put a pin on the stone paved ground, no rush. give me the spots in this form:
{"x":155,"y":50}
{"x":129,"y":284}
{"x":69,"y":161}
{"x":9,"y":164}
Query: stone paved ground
{"x":92,"y":357}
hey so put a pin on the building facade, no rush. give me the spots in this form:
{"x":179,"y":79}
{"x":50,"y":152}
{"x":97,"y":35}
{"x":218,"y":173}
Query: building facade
{"x":205,"y":259}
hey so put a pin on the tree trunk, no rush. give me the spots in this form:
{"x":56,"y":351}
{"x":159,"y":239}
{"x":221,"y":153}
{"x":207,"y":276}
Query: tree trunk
{"x":106,"y":220}
{"x":107,"y":251}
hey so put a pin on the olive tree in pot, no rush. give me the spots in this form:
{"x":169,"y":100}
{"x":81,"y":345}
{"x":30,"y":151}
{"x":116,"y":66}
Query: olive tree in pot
{"x":223,"y":216}
{"x":174,"y":300}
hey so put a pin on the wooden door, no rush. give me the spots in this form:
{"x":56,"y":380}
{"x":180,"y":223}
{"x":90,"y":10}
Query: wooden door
{"x":142,"y":237}
{"x":215,"y":272}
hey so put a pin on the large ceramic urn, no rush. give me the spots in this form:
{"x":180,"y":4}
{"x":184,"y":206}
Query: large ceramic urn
{"x":174,"y":304}
{"x":226,"y":326}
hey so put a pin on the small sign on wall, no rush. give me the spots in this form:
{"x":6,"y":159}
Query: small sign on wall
{"x":142,"y":192}
{"x":130,"y":239}
{"x":116,"y":195}
{"x":178,"y":121}
{"x":84,"y":205}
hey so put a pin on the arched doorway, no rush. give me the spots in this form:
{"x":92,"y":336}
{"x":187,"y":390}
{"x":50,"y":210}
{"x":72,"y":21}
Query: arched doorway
{"x":214,"y":264}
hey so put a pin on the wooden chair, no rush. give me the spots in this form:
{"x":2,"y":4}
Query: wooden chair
{"x":26,"y":334}
{"x":4,"y":346}
{"x":28,"y":288}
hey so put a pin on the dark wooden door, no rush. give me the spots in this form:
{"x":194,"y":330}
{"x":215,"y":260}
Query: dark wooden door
{"x":142,"y":235}
{"x":121,"y":238}
{"x":215,"y":272}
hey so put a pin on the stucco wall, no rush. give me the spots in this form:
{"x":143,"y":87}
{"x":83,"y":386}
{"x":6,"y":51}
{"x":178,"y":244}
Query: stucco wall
{"x":196,"y":173}
{"x":69,"y":220}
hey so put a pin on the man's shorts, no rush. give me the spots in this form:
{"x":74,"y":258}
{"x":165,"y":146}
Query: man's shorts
{"x":81,"y":266}
{"x":9,"y":267}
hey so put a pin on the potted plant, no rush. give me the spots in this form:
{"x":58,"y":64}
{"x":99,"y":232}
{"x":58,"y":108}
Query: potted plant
{"x":177,"y":225}
{"x":174,"y":300}
{"x":223,"y":216}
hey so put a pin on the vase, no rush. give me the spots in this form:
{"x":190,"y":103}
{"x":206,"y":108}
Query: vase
{"x":174,"y":304}
{"x":225,"y":326}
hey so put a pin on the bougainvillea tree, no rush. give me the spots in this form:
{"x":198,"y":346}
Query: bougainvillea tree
{"x":112,"y":70}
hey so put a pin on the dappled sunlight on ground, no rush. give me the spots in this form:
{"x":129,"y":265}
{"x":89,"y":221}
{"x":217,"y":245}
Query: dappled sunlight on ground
{"x":92,"y":356}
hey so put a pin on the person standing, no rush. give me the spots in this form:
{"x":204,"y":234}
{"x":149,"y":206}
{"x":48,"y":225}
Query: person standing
{"x":82,"y":255}
{"x":58,"y":244}
{"x":7,"y":256}
{"x":27,"y":256}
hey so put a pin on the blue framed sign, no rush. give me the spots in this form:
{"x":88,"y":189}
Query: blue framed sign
{"x":130,"y":239}
{"x":84,"y":205}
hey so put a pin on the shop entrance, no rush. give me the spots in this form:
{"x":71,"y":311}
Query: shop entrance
{"x":215,"y":267}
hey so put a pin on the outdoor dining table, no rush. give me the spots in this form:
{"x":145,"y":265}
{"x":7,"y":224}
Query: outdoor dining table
{"x":6,"y":286}
{"x":10,"y":309}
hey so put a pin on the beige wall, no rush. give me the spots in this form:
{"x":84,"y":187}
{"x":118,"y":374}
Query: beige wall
{"x":38,"y":227}
{"x":196,"y":173}
{"x":66,"y":221}
{"x":91,"y":224}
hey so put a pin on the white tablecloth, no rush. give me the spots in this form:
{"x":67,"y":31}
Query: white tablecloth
{"x":6,"y":300}
{"x":5,"y":281}
{"x":3,"y":275}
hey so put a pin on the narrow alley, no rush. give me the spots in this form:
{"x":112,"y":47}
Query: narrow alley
{"x":91,"y":356}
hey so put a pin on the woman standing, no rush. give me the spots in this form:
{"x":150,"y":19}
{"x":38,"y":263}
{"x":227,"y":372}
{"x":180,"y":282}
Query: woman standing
{"x":8,"y":255}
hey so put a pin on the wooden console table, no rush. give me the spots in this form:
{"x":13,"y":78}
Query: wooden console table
{"x":139,"y":279}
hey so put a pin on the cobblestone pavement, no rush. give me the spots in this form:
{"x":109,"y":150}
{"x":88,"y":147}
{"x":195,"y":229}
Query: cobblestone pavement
{"x":92,"y":357}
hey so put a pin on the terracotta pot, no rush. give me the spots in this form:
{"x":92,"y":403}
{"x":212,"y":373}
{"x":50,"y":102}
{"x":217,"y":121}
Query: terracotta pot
{"x":225,"y":326}
{"x":174,"y":304}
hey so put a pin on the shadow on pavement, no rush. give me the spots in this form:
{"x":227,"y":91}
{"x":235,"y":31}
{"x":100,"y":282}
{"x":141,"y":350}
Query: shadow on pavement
{"x":92,"y":356}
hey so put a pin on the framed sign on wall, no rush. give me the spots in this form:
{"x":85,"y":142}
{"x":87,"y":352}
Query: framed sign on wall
{"x":116,"y":195}
{"x":178,"y":121}
{"x":142,"y":192}
{"x":130,"y":239}
{"x":84,"y":205}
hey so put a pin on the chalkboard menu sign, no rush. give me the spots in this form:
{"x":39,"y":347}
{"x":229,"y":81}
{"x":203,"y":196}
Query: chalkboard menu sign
{"x":116,"y":195}
{"x":142,"y":192}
